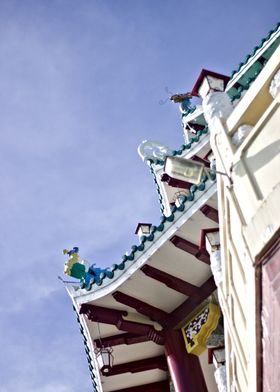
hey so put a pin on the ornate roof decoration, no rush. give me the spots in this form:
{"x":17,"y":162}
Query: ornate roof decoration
{"x":187,"y":146}
{"x":185,"y":103}
{"x":150,"y":150}
{"x":198,"y":330}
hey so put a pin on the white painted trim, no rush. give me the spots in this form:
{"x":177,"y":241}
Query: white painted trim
{"x":204,"y":139}
{"x":90,"y":345}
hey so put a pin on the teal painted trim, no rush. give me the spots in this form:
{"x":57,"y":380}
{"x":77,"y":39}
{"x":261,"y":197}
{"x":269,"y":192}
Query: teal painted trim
{"x":144,"y":240}
{"x":252,"y":73}
{"x":241,"y":89}
{"x":247,"y":58}
{"x":190,"y":110}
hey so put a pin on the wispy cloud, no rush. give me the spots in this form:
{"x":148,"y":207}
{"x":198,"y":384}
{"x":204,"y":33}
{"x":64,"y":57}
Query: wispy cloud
{"x":80,"y":84}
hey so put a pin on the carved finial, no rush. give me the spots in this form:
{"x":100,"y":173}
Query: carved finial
{"x":79,"y":269}
{"x":149,"y":149}
{"x":185,"y":102}
{"x":176,"y":98}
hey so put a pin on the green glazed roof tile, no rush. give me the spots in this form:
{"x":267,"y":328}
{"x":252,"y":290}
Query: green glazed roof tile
{"x":256,"y":48}
{"x":266,"y":54}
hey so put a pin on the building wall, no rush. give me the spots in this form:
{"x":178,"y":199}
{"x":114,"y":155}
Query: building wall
{"x":270,"y":322}
{"x":249,"y":224}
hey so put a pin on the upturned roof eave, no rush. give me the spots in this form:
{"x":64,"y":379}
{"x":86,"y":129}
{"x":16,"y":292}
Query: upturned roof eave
{"x":89,"y":350}
{"x":180,"y":217}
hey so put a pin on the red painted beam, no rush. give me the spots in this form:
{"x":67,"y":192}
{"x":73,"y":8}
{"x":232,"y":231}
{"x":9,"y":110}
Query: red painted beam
{"x":195,"y":126}
{"x":161,"y":386}
{"x":201,"y":160}
{"x":191,"y":248}
{"x":174,"y":182}
{"x":123,"y":338}
{"x":101,"y":314}
{"x":182,"y":311}
{"x":142,"y":307}
{"x":115,"y":317}
{"x":210,"y":213}
{"x":141,"y":365}
{"x":169,"y":280}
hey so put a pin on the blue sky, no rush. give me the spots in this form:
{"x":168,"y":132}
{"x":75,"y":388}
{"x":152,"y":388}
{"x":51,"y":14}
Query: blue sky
{"x":80,"y":87}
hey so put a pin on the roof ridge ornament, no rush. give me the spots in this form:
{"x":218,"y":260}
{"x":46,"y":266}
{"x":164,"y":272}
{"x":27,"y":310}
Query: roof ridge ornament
{"x":185,"y":102}
{"x":81,"y":270}
{"x":151,"y":150}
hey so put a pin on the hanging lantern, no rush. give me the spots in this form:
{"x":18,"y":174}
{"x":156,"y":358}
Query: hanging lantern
{"x":184,"y":169}
{"x":104,"y":359}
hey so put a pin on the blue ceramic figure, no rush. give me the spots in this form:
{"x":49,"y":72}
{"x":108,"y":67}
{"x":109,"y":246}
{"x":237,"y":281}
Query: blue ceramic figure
{"x":87,"y":276}
{"x":185,"y":102}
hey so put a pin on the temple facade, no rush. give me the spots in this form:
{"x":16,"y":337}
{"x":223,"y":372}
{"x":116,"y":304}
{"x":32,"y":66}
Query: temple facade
{"x":194,"y":305}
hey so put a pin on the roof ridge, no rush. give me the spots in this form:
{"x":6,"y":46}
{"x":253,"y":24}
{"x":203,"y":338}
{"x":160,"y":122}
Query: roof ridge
{"x":256,"y":48}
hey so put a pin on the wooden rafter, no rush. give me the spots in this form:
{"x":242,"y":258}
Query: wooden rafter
{"x":115,"y":317}
{"x":141,"y":365}
{"x":182,"y":311}
{"x":142,"y":307}
{"x":123,"y":338}
{"x":170,"y":281}
{"x":210,"y":213}
{"x":160,"y":386}
{"x":196,"y":158}
{"x":191,"y":248}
